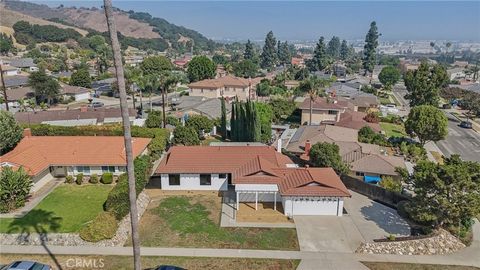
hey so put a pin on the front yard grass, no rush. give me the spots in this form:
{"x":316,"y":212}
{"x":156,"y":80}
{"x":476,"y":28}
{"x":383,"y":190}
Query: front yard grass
{"x":393,"y":129}
{"x":193,"y":221}
{"x":414,"y":266}
{"x":126,"y":262}
{"x":65,"y":209}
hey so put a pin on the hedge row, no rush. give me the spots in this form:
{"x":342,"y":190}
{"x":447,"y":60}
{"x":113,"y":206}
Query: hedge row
{"x":157,"y":145}
{"x":118,"y":201}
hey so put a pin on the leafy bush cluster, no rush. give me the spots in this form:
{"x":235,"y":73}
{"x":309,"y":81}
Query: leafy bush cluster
{"x":104,"y":226}
{"x":412,"y":151}
{"x":154,"y":119}
{"x":79,"y":179}
{"x":14,"y":188}
{"x":93,"y":179}
{"x":391,"y":184}
{"x":107,"y":178}
{"x":367,"y":135}
{"x":118,"y":200}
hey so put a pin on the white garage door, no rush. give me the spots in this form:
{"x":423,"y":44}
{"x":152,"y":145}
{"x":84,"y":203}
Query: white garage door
{"x":314,"y":207}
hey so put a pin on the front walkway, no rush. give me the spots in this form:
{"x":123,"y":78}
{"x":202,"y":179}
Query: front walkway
{"x":35,"y":199}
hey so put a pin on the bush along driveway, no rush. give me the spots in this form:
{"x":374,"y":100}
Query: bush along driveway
{"x":181,"y":221}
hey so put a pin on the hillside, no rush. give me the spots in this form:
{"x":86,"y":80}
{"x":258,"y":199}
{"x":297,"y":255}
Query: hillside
{"x":130,"y":24}
{"x":10,"y":17}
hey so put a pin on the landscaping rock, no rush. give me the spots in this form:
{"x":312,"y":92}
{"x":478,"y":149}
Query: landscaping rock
{"x":442,"y":242}
{"x":73,"y":239}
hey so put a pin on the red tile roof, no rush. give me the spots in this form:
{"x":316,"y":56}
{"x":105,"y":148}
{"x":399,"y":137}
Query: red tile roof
{"x":37,"y":153}
{"x":254,"y":165}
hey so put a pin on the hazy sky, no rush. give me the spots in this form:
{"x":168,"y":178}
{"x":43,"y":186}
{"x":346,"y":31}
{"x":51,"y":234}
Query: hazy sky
{"x":427,"y":20}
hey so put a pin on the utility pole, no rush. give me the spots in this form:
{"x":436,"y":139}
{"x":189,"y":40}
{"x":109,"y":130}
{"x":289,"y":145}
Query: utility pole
{"x":4,"y":88}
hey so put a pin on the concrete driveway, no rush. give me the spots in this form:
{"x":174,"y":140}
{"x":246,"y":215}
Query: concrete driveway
{"x":374,"y":220}
{"x":366,"y":220}
{"x":327,"y":233}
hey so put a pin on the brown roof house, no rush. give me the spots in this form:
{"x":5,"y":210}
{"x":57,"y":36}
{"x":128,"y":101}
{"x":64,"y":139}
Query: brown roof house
{"x":257,"y":174}
{"x":227,"y":86}
{"x":76,"y":93}
{"x":363,"y":159}
{"x":335,"y":111}
{"x":45,"y":157}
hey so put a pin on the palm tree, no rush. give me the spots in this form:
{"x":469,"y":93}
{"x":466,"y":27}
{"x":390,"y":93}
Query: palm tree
{"x":313,"y":87}
{"x":22,"y":105}
{"x":166,"y":81}
{"x":117,"y":59}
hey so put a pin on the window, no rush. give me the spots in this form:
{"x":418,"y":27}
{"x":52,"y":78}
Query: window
{"x":108,"y":169}
{"x":222,"y":176}
{"x":359,"y":174}
{"x":122,"y":169}
{"x":332,"y":112}
{"x":83,"y":169}
{"x":205,"y":179}
{"x":174,"y":179}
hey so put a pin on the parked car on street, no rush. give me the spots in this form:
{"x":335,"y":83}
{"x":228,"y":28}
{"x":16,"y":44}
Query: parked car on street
{"x":466,"y":124}
{"x":26,"y":265}
{"x":97,"y":104}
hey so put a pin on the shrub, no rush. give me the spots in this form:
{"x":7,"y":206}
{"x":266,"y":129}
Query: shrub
{"x":79,"y":179}
{"x":118,"y":200}
{"x":391,"y":184}
{"x":154,"y":119}
{"x":367,"y":135}
{"x":372,"y":117}
{"x":69,"y":179}
{"x":104,"y":226}
{"x":107,"y":178}
{"x":93,"y":179}
{"x":14,"y":188}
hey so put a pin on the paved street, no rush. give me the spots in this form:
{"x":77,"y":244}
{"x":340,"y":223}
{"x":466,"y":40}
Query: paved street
{"x":465,"y":142}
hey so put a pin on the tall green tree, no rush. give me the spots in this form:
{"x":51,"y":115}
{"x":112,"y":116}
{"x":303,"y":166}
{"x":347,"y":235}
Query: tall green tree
{"x":245,"y":122}
{"x":10,"y":132}
{"x":427,"y":123}
{"x":223,"y":119}
{"x":333,"y":47}
{"x":185,"y":136}
{"x":81,"y":78}
{"x":269,"y":56}
{"x":389,"y":76}
{"x":320,"y":60}
{"x":155,"y":65}
{"x":370,"y":48}
{"x":284,"y":56}
{"x":249,"y":53}
{"x":423,"y":84}
{"x":201,"y":68}
{"x":327,"y":155}
{"x":344,"y":50}
{"x":313,"y":87}
{"x":6,"y":44}
{"x":46,"y":87}
{"x":245,"y":68}
{"x":446,"y":194}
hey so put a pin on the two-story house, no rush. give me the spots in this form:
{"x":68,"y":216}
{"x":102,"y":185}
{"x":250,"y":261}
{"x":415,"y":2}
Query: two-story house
{"x":227,"y":86}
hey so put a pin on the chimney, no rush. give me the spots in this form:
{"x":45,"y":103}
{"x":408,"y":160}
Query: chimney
{"x":83,"y":109}
{"x":308,"y":145}
{"x":279,"y":145}
{"x":27,"y":132}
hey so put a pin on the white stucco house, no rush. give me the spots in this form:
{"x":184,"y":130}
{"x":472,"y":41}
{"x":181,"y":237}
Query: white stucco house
{"x":255,"y":174}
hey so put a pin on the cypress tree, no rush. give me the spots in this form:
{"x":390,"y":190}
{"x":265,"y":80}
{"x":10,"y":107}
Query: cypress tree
{"x":269,"y":54}
{"x":369,"y":50}
{"x":223,"y":120}
{"x":233,"y":123}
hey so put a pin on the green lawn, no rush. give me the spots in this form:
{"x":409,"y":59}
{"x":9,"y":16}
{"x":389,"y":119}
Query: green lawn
{"x":193,"y":221}
{"x":126,"y":262}
{"x":393,"y":129}
{"x":66,"y":209}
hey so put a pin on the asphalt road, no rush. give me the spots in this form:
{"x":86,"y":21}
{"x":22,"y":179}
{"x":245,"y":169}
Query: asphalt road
{"x":465,"y":142}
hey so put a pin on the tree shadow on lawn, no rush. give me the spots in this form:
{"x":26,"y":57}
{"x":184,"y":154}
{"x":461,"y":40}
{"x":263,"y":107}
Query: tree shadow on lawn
{"x":386,"y":219}
{"x":40,"y":222}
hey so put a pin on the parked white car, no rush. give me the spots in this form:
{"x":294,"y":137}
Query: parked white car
{"x":389,"y":108}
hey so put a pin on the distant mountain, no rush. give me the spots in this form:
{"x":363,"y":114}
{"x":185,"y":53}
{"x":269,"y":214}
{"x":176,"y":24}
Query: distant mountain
{"x":132,"y":25}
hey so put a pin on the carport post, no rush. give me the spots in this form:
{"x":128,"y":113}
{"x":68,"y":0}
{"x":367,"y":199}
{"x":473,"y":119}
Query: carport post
{"x":238,"y":205}
{"x":256,"y":200}
{"x":275,"y":201}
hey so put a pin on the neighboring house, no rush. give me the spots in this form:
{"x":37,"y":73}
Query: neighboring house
{"x":16,"y":81}
{"x":16,"y":94}
{"x":475,"y":87}
{"x":257,"y":174}
{"x":133,"y":60}
{"x":44,"y":157}
{"x":340,"y":71}
{"x":24,"y":63}
{"x":456,"y":74}
{"x":10,"y":71}
{"x":76,"y":92}
{"x":209,"y":107}
{"x":77,"y":117}
{"x":339,"y":111}
{"x":363,"y":159}
{"x":298,"y":61}
{"x":227,"y":86}
{"x":343,"y":90}
{"x":290,"y":84}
